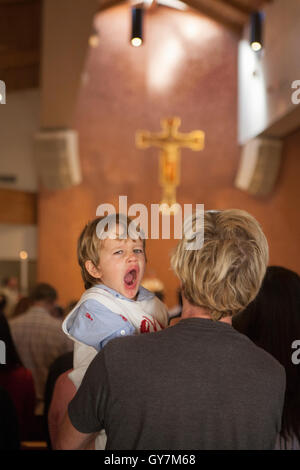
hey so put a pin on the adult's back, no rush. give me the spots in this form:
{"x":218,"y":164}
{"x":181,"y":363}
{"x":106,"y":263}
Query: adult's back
{"x":204,"y":386}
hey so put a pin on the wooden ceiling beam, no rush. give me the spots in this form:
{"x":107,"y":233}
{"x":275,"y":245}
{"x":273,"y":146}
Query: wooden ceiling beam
{"x":252,"y":5}
{"x":236,"y":4}
{"x":21,"y":78}
{"x":104,"y":4}
{"x":10,"y":58}
{"x":16,"y":2}
{"x":209,"y":9}
{"x":224,"y":9}
{"x":18,"y":207}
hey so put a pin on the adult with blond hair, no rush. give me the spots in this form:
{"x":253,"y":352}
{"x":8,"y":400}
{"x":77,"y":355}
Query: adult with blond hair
{"x":199,"y":384}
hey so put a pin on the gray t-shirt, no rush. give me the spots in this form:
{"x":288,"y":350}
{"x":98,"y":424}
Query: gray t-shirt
{"x":196,"y":385}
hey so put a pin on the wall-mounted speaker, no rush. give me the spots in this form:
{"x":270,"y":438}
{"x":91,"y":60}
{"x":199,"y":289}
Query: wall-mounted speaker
{"x":57,"y":158}
{"x":259,"y":166}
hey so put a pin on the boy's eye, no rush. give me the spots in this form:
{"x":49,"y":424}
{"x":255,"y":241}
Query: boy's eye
{"x":138,"y":250}
{"x":119,"y":252}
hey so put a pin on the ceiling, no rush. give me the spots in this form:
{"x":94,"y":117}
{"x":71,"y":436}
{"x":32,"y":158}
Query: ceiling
{"x":234,"y":14}
{"x":20,"y":33}
{"x":20,"y":22}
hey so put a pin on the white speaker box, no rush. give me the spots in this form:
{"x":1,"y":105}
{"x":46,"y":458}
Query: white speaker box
{"x":57,"y":158}
{"x":259,"y":166}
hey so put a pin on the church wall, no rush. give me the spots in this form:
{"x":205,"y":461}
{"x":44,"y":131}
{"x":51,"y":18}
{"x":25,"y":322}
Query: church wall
{"x":186,"y":67}
{"x":18,"y":122}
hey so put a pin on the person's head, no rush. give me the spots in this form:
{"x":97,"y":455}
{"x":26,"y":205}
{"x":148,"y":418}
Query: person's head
{"x":12,"y":358}
{"x":109,"y":253}
{"x":21,"y":307}
{"x":57,"y":311}
{"x":272,"y":321}
{"x":11,"y":282}
{"x":225,"y":274}
{"x":45,"y":295}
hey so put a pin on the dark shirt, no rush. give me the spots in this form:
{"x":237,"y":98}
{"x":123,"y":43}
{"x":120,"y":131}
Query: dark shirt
{"x":196,"y":385}
{"x":9,"y":430}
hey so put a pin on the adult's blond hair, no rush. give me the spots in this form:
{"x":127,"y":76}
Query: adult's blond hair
{"x":89,"y":246}
{"x":223,"y":276}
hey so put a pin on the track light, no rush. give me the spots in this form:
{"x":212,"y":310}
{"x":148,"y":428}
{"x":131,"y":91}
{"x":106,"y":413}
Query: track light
{"x":256,"y":31}
{"x":137,"y":26}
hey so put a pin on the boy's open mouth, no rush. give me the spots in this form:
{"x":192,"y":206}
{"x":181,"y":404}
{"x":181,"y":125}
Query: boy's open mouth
{"x":130,"y":278}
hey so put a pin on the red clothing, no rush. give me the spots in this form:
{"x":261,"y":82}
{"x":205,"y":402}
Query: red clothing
{"x":19,"y":384}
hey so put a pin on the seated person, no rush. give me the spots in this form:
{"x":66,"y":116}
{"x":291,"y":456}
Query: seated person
{"x":9,"y":429}
{"x":272,"y":321}
{"x":18,"y":382}
{"x":39,"y":340}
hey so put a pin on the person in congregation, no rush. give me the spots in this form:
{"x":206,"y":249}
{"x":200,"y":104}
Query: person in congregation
{"x":9,"y":426}
{"x":22,"y":306}
{"x":18,"y":382}
{"x":10,"y":288}
{"x":272,"y":321}
{"x":39,"y":338}
{"x":199,"y":384}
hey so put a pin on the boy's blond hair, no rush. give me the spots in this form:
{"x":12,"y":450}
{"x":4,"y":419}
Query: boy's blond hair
{"x":224,"y":275}
{"x":89,"y":246}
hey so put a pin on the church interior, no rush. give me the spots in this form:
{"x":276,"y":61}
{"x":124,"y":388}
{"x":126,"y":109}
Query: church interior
{"x":76,"y":91}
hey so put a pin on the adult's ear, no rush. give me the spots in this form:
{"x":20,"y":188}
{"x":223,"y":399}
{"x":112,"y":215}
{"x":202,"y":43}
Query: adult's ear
{"x":92,"y":270}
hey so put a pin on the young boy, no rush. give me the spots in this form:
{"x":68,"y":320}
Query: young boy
{"x":114,"y":303}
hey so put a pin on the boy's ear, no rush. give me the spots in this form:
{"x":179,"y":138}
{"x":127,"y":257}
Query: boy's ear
{"x":92,"y":270}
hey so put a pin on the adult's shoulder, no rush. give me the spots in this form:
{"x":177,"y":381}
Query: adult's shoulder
{"x":264,"y":362}
{"x":129,"y":347}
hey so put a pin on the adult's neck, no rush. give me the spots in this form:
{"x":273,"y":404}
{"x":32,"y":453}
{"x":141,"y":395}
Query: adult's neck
{"x":193,"y":311}
{"x":43,"y":304}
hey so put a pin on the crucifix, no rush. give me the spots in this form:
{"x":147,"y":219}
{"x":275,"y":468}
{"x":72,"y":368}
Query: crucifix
{"x":170,"y":141}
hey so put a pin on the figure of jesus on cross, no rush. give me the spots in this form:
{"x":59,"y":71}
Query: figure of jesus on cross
{"x":170,"y":141}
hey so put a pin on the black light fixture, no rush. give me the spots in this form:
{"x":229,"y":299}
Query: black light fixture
{"x":256,"y":29}
{"x":137,"y":26}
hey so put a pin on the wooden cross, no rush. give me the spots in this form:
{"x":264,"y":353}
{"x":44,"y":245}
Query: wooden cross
{"x":170,"y":141}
